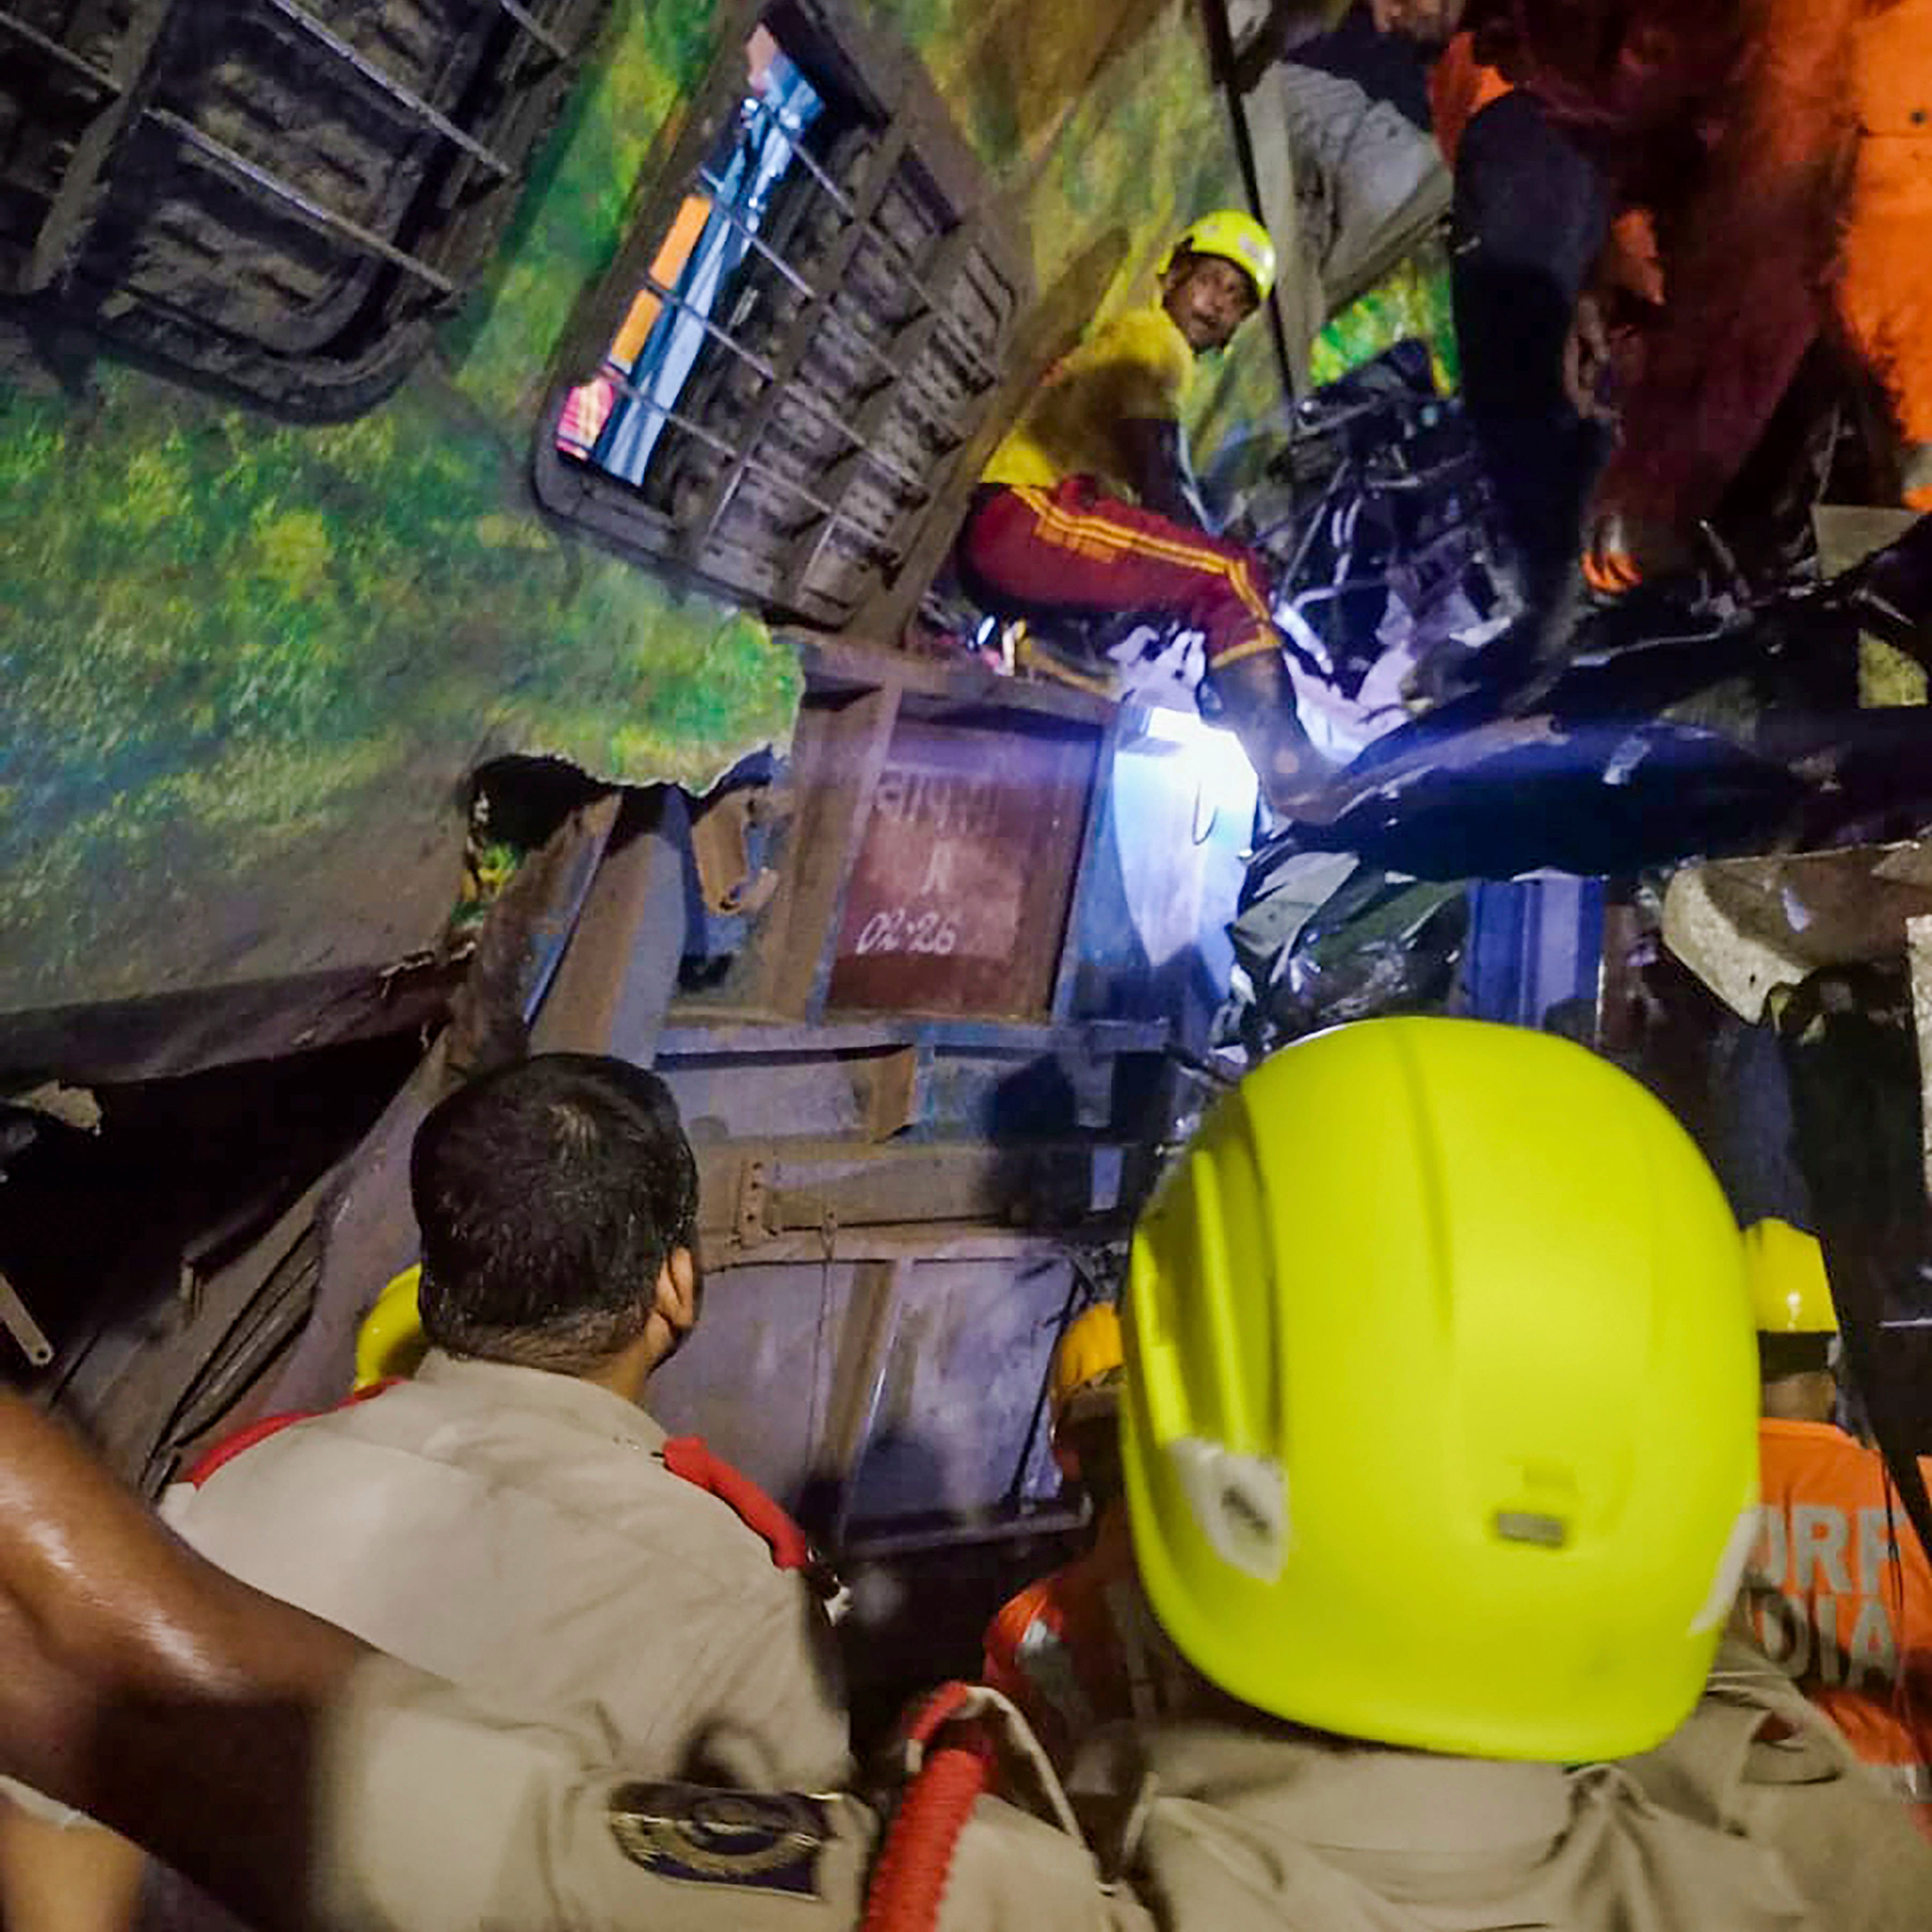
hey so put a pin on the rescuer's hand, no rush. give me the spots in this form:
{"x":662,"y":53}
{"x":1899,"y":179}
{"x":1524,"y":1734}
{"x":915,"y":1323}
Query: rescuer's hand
{"x":1589,"y":360}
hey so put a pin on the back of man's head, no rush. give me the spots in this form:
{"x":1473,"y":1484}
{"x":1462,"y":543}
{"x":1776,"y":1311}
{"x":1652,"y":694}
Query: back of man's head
{"x":551,"y":1196}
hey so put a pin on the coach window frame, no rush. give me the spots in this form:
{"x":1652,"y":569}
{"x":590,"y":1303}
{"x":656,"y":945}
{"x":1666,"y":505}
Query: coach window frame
{"x":866,"y":66}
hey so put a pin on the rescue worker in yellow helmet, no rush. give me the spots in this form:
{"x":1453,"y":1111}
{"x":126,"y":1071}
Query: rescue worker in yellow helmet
{"x":1088,"y":508}
{"x":1839,"y":1592}
{"x":1438,"y":1450}
{"x":1078,"y":1648}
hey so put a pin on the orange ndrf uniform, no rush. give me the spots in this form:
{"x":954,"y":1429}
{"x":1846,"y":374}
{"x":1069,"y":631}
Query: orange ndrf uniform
{"x":1884,"y":290}
{"x":1054,"y":531}
{"x":1838,"y":1594}
{"x":1080,"y":1647}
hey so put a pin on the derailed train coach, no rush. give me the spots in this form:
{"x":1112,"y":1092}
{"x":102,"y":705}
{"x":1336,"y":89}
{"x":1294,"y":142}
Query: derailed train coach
{"x":472,"y":472}
{"x":469,"y":469}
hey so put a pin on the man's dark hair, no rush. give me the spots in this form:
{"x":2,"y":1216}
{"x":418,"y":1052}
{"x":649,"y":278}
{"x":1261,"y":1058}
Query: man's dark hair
{"x":550,"y":1194}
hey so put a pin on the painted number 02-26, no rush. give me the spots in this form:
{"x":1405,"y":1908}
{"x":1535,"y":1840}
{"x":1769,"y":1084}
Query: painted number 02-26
{"x":898,"y":931}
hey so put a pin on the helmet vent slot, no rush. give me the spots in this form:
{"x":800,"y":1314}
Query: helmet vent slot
{"x":1240,"y":1503}
{"x":1548,"y":1532}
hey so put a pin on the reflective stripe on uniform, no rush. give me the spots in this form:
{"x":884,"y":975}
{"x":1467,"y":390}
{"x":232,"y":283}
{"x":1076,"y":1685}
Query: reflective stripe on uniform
{"x":1093,"y":535}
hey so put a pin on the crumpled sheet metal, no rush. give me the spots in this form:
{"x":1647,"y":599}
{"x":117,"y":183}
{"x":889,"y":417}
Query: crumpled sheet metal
{"x":1847,"y":534}
{"x":1294,"y":892}
{"x":1746,"y":926}
{"x":1918,"y":960}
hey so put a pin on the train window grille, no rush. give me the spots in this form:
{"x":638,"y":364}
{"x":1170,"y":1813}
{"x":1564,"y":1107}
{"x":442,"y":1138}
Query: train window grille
{"x":811,"y":327}
{"x":283,"y":196}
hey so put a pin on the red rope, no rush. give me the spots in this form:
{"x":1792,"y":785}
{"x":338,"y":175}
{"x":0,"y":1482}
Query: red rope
{"x":690,"y":1457}
{"x":229,"y":1447}
{"x":909,"y":1881}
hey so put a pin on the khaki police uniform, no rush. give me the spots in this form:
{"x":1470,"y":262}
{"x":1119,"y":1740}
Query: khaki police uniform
{"x":518,"y":1530}
{"x":435,"y":1814}
{"x":1758,"y":1760}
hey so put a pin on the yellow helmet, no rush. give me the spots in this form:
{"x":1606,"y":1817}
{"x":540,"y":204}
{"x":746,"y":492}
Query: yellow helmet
{"x":390,"y":1342}
{"x":1086,"y":1377}
{"x":1441,"y":1396}
{"x":1233,"y":236}
{"x":1786,"y":1268}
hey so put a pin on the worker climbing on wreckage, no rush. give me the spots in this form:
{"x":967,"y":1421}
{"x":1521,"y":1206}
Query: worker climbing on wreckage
{"x":1089,"y":507}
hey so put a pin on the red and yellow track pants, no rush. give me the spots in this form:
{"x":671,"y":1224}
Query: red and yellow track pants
{"x":1075,"y":551}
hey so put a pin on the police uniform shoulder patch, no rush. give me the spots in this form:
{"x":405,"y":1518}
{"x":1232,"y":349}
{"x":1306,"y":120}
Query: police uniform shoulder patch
{"x":757,"y":1841}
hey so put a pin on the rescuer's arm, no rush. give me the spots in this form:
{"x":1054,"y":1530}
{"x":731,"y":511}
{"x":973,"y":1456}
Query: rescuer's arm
{"x":147,"y":1687}
{"x":1163,"y":477}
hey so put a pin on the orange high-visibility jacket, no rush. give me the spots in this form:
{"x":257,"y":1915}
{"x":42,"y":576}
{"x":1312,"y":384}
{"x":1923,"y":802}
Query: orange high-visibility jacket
{"x":1080,"y":1647}
{"x":1839,"y":1595}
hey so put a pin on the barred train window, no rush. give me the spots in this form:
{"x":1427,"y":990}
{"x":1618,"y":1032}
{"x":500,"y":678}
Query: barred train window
{"x":284,"y":196}
{"x":808,"y":330}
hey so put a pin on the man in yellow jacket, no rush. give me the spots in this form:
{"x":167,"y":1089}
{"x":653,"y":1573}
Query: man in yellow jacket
{"x":1088,"y":508}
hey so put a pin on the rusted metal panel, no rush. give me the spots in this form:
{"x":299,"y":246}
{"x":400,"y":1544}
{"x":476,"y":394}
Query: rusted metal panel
{"x":832,"y":664}
{"x":804,"y":1185}
{"x":865,"y":1393}
{"x":962,"y":1380}
{"x":838,"y":749}
{"x":889,"y":1240}
{"x":619,"y":971}
{"x":959,"y":896}
{"x":922,"y":1086}
{"x":880,"y":1291}
{"x":756,"y":1379}
{"x":892,"y":1094}
{"x":680,"y":1042}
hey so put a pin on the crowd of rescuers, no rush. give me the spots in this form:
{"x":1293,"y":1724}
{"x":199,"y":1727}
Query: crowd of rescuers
{"x":1439,"y":1453}
{"x":1755,"y":182}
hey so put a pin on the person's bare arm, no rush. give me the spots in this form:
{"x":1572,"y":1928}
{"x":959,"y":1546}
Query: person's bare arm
{"x":147,"y":1687}
{"x":1163,"y":478}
